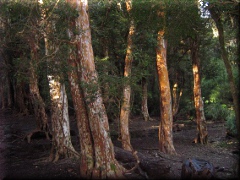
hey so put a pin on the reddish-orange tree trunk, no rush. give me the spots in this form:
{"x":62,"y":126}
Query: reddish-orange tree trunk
{"x":176,"y":95}
{"x":166,"y":121}
{"x":126,"y":97}
{"x":85,"y":137}
{"x":104,"y":163}
{"x":199,"y":107}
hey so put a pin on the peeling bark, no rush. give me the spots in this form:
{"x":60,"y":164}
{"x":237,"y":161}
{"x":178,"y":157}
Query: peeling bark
{"x":61,"y":140}
{"x":166,"y":121}
{"x":202,"y":136}
{"x":104,"y":165}
{"x":85,"y":138}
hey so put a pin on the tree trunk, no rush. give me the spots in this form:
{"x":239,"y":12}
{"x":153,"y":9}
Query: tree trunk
{"x":125,"y":106}
{"x":145,"y":100}
{"x":104,"y":165}
{"x":9,"y":94}
{"x":217,"y":19}
{"x":61,"y":139}
{"x":2,"y":97}
{"x":166,"y":121}
{"x":35,"y":97}
{"x":199,"y":107}
{"x":20,"y":98}
{"x":176,"y":94}
{"x":85,"y":137}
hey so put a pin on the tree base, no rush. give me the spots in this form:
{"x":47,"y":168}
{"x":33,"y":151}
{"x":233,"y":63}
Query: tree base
{"x":148,"y":166}
{"x":37,"y":134}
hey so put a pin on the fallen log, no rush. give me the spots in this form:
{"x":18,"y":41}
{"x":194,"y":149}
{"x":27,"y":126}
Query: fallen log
{"x":197,"y":169}
{"x":154,"y":168}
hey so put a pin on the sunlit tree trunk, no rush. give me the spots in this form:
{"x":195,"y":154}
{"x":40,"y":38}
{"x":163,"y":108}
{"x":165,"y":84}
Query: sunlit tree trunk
{"x":126,"y":96}
{"x":144,"y":106}
{"x":61,"y":139}
{"x":166,"y":121}
{"x":202,"y":136}
{"x":104,"y":163}
{"x":235,"y":95}
{"x":176,"y":96}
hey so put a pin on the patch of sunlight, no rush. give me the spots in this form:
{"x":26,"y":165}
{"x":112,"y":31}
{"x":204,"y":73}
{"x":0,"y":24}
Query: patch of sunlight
{"x":105,"y":58}
{"x":214,"y":96}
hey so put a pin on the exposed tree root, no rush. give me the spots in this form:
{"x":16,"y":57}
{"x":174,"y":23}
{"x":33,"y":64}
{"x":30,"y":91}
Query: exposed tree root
{"x":29,"y":135}
{"x":136,"y":166}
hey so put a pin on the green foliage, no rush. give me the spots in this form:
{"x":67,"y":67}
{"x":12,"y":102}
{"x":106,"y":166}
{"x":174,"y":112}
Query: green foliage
{"x":110,"y":22}
{"x":113,"y":167}
{"x":231,"y":123}
{"x":216,"y":111}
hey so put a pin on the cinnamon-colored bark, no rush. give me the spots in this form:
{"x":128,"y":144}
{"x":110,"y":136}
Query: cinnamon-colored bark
{"x":85,"y":137}
{"x":202,"y":136}
{"x":166,"y":121}
{"x":126,"y":97}
{"x":104,"y":163}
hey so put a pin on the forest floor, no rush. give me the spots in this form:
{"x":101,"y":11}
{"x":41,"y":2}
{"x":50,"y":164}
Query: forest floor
{"x":22,"y":160}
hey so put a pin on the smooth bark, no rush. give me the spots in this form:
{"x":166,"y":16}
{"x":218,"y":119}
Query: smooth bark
{"x":176,"y":96}
{"x":126,"y":97}
{"x":202,"y":136}
{"x":144,"y":106}
{"x":166,"y":121}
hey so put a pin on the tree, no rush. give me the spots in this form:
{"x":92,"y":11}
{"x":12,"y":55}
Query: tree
{"x":166,"y":121}
{"x":216,"y":16}
{"x":61,"y":139}
{"x":126,"y":107}
{"x":35,"y":96}
{"x":202,"y":136}
{"x":104,"y":163}
{"x":144,"y":105}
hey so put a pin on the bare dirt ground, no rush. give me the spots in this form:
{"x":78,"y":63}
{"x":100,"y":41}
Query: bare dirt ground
{"x":21,"y":160}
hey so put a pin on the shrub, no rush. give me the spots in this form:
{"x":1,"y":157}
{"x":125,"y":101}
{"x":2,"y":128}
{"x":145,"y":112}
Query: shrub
{"x":216,"y":111}
{"x":231,"y":123}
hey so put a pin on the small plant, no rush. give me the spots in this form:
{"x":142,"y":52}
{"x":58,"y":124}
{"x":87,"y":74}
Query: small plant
{"x":231,"y":123}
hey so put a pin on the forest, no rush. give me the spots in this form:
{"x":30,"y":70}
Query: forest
{"x":113,"y":89}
